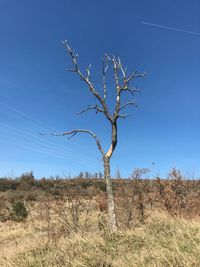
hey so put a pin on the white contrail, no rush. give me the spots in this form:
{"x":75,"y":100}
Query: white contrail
{"x":169,"y":28}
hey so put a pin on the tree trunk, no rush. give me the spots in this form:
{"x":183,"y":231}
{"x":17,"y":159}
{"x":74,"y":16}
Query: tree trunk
{"x":110,"y":199}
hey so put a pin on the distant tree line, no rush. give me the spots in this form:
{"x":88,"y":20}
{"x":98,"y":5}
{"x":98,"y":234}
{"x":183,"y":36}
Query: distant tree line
{"x":27,"y":181}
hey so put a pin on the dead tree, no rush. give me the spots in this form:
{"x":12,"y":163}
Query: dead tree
{"x":122,"y":85}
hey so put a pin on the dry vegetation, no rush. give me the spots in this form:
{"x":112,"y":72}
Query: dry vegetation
{"x":66,"y":225}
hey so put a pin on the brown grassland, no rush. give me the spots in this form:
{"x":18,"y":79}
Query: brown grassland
{"x":66,"y":222}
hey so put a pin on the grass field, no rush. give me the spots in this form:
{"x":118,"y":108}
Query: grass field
{"x":160,"y":241}
{"x":60,"y":223}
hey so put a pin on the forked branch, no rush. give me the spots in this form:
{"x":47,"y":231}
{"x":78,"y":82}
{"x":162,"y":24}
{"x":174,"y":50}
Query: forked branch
{"x":86,"y":79}
{"x":134,"y":75}
{"x":74,"y":132}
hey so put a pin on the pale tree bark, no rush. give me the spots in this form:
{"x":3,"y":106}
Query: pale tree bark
{"x":122,"y":85}
{"x":110,"y":198}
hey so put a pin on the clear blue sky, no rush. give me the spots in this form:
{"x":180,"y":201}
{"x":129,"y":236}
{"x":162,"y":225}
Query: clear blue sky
{"x":38,"y":95}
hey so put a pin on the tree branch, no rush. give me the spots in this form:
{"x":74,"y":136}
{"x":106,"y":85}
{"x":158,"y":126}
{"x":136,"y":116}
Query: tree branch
{"x":123,"y":116}
{"x":98,"y":109}
{"x":131,"y":103}
{"x":86,"y":79}
{"x":134,"y":75}
{"x":74,"y":132}
{"x":131,"y":90}
{"x":116,"y":65}
{"x":104,"y":70}
{"x":88,"y":72}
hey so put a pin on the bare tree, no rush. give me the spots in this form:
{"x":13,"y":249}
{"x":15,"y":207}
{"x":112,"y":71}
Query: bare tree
{"x":122,"y":85}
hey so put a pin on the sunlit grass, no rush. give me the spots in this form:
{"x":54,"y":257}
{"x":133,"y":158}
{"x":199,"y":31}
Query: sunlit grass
{"x":161,"y":241}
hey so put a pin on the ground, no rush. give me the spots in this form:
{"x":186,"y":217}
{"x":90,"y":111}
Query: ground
{"x":49,"y":237}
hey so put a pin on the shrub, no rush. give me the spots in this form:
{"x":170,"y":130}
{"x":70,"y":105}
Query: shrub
{"x":19,"y":211}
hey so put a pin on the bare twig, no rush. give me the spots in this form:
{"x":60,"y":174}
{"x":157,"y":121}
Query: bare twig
{"x":131,"y":103}
{"x":131,"y":90}
{"x":95,"y":107}
{"x":134,"y":75}
{"x":123,"y":116}
{"x":104,"y":70}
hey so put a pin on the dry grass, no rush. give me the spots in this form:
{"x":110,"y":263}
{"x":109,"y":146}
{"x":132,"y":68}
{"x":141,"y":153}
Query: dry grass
{"x":161,"y":241}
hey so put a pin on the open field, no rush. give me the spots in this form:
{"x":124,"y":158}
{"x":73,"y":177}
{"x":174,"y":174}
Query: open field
{"x":161,"y":241}
{"x":65,"y":223}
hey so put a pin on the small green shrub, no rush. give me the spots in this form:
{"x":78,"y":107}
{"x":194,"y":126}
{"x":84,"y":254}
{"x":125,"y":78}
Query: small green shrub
{"x":19,"y":211}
